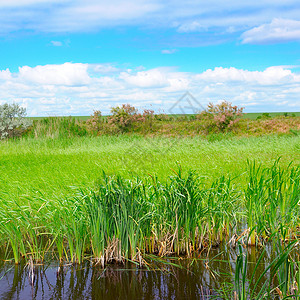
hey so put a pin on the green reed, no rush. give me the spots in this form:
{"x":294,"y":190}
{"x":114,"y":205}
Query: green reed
{"x":124,"y":219}
{"x":272,"y":200}
{"x":283,"y":273}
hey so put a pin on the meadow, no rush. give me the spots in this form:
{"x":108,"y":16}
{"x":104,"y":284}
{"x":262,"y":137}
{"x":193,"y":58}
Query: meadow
{"x":118,"y":198}
{"x":53,"y":166}
{"x":251,"y":116}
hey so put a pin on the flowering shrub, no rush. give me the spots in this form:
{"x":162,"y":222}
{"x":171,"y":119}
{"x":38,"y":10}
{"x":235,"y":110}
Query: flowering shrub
{"x":147,"y":118}
{"x":126,"y":116}
{"x":123,"y":116}
{"x":221,"y":116}
{"x":95,"y":122}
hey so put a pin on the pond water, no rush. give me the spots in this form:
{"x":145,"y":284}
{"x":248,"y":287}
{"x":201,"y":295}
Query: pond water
{"x":200,"y":277}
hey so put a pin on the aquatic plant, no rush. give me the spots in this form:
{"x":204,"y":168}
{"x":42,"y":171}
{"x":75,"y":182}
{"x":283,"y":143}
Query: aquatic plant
{"x":123,"y":219}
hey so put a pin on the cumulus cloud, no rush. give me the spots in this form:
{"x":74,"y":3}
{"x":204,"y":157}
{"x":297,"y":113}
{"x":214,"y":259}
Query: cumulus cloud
{"x":103,"y":68}
{"x":65,"y":74}
{"x":78,"y":89}
{"x":147,"y":79}
{"x":5,"y":74}
{"x":270,"y":76}
{"x":278,"y":31}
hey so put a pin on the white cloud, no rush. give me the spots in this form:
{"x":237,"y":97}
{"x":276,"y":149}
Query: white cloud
{"x":5,"y":74}
{"x":18,"y":3}
{"x":56,"y":43}
{"x":191,"y":27}
{"x":278,"y":31}
{"x":168,"y":51}
{"x":185,"y":16}
{"x":270,"y":76}
{"x":103,"y":68}
{"x":65,"y":74}
{"x":147,"y":79}
{"x":77,"y":89}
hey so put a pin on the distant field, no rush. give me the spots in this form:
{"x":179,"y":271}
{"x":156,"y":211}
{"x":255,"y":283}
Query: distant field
{"x":83,"y":118}
{"x":251,"y":116}
{"x":52,"y":166}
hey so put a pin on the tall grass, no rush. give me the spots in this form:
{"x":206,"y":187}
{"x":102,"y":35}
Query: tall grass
{"x":51,"y":166}
{"x":124,"y":219}
{"x":57,"y":127}
{"x":131,"y":212}
{"x":272,"y":199}
{"x":283,"y":273}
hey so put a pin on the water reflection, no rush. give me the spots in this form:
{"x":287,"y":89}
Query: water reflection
{"x":86,"y":282}
{"x":199,"y":278}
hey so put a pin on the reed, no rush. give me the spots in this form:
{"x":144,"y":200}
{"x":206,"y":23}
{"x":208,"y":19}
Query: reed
{"x":282,"y":277}
{"x":124,"y":219}
{"x":272,"y":200}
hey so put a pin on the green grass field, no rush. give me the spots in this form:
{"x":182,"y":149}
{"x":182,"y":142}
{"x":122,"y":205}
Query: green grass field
{"x":251,"y":116}
{"x":52,"y":166}
{"x":56,"y":203}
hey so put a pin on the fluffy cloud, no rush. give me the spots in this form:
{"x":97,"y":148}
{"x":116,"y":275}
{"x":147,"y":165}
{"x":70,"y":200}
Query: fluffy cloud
{"x":78,"y":89}
{"x":278,"y":31}
{"x":271,"y":76}
{"x":154,"y":78}
{"x":65,"y":74}
{"x":5,"y":74}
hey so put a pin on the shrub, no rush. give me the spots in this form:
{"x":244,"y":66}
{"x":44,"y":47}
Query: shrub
{"x":123,"y":116}
{"x":95,"y":122}
{"x":12,"y":120}
{"x":147,"y":118}
{"x":162,"y":117}
{"x":221,"y":116}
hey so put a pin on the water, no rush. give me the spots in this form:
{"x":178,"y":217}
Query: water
{"x":200,"y":277}
{"x":85,"y":282}
{"x":163,"y":281}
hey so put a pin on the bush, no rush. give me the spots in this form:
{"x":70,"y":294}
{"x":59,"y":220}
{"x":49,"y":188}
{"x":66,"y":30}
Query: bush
{"x":220,"y":117}
{"x":12,"y":120}
{"x":95,"y":122}
{"x":123,"y":116}
{"x":147,"y":118}
{"x":127,"y":118}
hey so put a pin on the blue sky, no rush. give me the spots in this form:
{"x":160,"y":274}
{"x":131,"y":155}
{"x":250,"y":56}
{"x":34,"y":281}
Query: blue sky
{"x":64,"y":57}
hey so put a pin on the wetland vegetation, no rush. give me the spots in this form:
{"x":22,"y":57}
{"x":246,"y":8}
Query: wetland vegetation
{"x":75,"y":195}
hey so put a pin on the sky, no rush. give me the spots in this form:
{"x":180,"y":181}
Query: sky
{"x":62,"y":57}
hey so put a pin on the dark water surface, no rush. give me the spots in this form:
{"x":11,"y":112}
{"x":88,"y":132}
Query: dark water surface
{"x":199,"y":278}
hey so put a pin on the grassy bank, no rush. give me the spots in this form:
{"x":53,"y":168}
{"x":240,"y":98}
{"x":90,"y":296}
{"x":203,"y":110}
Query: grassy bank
{"x":208,"y":125}
{"x":56,"y":202}
{"x":122,"y":219}
{"x":52,"y":166}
